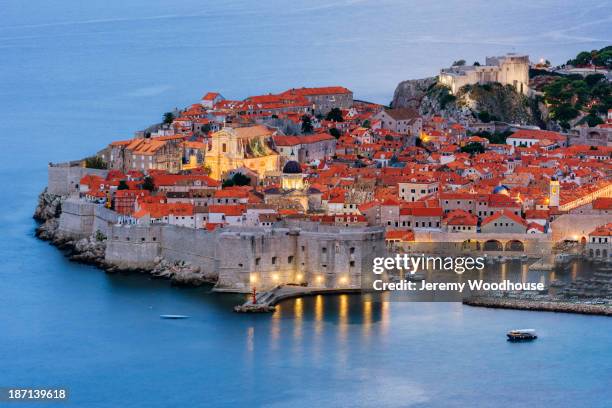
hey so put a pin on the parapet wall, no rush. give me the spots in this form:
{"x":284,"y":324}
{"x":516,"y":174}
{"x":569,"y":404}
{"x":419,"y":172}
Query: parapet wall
{"x":196,"y":246}
{"x":133,"y":246}
{"x":81,"y":218}
{"x":573,"y":227}
{"x":63,"y":178}
{"x":450,"y":242}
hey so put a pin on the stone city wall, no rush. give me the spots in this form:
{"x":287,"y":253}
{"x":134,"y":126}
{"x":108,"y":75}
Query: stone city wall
{"x":81,"y":218}
{"x":63,"y":178}
{"x":575,"y":227}
{"x":452,"y":242}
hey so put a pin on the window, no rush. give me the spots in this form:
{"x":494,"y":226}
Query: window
{"x":224,"y":148}
{"x":273,"y":260}
{"x":290,"y":259}
{"x":352,"y":263}
{"x":257,"y":261}
{"x":352,"y":250}
{"x":324,"y":250}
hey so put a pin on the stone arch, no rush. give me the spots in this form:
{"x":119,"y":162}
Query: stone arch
{"x":583,"y":241}
{"x":597,"y":253}
{"x":591,"y":253}
{"x":493,"y":245}
{"x":515,"y":245}
{"x":470,"y":244}
{"x":594,"y":135}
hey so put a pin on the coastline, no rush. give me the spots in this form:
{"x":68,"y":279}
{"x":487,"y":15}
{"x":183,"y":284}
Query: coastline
{"x":92,"y":250}
{"x":538,"y":306}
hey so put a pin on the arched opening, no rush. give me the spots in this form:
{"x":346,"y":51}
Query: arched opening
{"x":493,"y":245}
{"x":604,"y":253}
{"x":583,"y":241}
{"x":594,"y":135}
{"x":597,"y":253}
{"x":470,"y":245}
{"x":515,"y":245}
{"x":591,"y":253}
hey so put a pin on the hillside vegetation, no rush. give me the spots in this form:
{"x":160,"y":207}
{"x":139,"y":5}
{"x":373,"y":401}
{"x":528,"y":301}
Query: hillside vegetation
{"x":488,"y":102}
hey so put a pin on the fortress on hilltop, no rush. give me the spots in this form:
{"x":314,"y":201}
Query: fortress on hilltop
{"x":511,"y":69}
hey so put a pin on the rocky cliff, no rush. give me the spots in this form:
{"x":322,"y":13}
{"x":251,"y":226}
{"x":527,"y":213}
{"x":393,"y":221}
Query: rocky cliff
{"x":409,"y":94}
{"x":487,"y":102}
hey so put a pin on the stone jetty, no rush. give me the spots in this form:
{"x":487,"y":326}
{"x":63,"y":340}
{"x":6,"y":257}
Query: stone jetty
{"x":538,"y":305}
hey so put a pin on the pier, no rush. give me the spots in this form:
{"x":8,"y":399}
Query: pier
{"x":267,"y":301}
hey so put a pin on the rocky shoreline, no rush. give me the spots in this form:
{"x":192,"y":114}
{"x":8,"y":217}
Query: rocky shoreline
{"x":92,"y":250}
{"x":540,"y":306}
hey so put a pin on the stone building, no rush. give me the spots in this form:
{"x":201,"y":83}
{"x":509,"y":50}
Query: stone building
{"x":241,"y":258}
{"x":304,"y":253}
{"x":323,"y":99}
{"x":504,"y":222}
{"x":306,"y":148}
{"x":599,"y":243}
{"x":414,"y":188}
{"x":401,"y":120}
{"x":251,"y":147}
{"x":511,"y":69}
{"x":142,"y":154}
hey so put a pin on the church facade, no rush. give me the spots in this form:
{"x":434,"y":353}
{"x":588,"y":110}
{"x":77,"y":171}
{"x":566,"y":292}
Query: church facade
{"x":250,"y":147}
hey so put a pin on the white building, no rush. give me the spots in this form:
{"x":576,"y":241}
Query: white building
{"x":511,"y":69}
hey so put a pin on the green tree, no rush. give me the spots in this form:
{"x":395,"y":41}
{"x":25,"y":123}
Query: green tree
{"x":148,"y":184}
{"x":95,"y":162}
{"x":366,"y":124}
{"x":237,"y":179}
{"x":592,"y":120}
{"x":168,"y":118}
{"x":459,"y":63}
{"x":334,"y":115}
{"x":582,"y":58}
{"x":123,"y":185}
{"x":592,"y":79}
{"x":388,"y":138}
{"x":473,"y":148}
{"x":334,"y":132}
{"x":476,"y":63}
{"x":484,"y":116}
{"x":306,"y":124}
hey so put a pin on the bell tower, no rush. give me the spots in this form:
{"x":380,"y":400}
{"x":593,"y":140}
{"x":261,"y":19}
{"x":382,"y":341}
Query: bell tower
{"x":553,"y":194}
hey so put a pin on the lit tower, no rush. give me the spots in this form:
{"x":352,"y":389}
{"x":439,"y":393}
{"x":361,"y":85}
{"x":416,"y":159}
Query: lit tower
{"x":554,"y":192}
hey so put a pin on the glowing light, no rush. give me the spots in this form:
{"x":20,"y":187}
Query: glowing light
{"x":253,"y":278}
{"x":275,"y":277}
{"x":319,"y":278}
{"x":343,"y":280}
{"x":299,"y":276}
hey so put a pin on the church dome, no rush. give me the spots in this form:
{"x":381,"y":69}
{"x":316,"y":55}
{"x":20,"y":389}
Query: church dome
{"x":292,"y":167}
{"x":501,"y":189}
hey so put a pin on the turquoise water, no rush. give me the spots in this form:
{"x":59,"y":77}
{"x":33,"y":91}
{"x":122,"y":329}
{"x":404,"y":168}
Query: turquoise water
{"x":74,"y":76}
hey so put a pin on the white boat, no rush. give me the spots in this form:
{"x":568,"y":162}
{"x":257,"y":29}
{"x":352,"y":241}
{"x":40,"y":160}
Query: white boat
{"x":521,"y":334}
{"x":173,"y":316}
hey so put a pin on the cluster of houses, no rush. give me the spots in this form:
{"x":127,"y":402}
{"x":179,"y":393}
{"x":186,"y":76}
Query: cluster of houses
{"x":318,"y":155}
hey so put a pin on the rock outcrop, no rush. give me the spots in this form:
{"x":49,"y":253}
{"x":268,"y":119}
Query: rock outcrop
{"x":180,"y":273}
{"x":49,"y":206}
{"x":409,"y":94}
{"x":500,"y":103}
